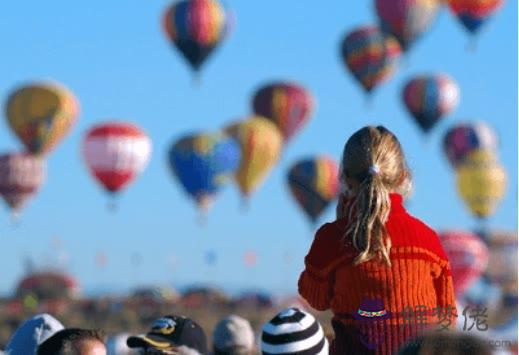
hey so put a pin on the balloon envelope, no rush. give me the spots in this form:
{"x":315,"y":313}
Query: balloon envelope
{"x":196,"y":28}
{"x":21,"y":175}
{"x":481,"y":182}
{"x":41,"y":115}
{"x":468,"y":258}
{"x":407,"y":20}
{"x":370,"y":55}
{"x":474,"y":13}
{"x":428,"y":98}
{"x":288,"y":105}
{"x":115,"y":153}
{"x":203,"y":163}
{"x":464,"y":138}
{"x":314,"y":183}
{"x":260,"y":142}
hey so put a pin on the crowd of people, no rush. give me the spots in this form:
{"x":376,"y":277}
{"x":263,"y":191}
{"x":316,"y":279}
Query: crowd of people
{"x":291,"y":331}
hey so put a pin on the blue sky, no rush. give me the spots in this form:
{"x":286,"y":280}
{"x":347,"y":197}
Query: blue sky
{"x":114,"y":56}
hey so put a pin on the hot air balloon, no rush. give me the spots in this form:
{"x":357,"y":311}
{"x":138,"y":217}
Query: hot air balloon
{"x":370,"y":55}
{"x":41,"y":114}
{"x":261,"y":143}
{"x":288,"y":105}
{"x":115,"y":153}
{"x":407,"y":20}
{"x":481,"y":182}
{"x":203,"y":163}
{"x":468,"y":257}
{"x":464,"y":138}
{"x":21,"y":175}
{"x":196,"y":28}
{"x":428,"y":98}
{"x":314,"y":183}
{"x":474,"y":13}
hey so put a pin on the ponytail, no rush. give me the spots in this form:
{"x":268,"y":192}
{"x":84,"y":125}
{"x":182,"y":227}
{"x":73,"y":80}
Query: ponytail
{"x":368,"y":214}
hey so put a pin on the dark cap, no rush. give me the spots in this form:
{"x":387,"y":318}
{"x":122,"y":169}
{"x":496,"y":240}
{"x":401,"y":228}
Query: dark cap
{"x":171,"y":331}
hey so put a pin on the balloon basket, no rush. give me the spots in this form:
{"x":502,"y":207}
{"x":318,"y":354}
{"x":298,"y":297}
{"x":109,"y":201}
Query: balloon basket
{"x":472,"y":46}
{"x":201,"y":219}
{"x":14,"y":220}
{"x":112,"y":206}
{"x":244,"y":205}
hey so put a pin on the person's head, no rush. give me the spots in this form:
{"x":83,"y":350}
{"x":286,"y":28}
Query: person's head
{"x":233,"y":336}
{"x":31,"y":333}
{"x":74,"y":341}
{"x":293,"y":331}
{"x":373,"y":166}
{"x":171,"y":335}
{"x":451,"y":343}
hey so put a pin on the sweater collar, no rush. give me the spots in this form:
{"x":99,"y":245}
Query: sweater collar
{"x":396,"y":202}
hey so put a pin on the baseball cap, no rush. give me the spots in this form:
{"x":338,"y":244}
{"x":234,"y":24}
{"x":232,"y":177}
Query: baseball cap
{"x":233,"y":333}
{"x":172,"y":331}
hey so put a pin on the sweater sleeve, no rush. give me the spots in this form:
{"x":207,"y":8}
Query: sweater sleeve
{"x":316,"y":281}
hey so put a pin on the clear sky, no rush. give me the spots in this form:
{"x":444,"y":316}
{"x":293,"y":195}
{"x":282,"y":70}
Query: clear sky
{"x":114,"y":56}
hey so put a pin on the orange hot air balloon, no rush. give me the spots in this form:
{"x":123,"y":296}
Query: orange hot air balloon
{"x":41,"y":115}
{"x":261,"y":143}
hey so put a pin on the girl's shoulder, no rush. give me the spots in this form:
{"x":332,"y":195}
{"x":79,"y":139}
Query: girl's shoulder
{"x":329,"y":245}
{"x":408,"y":230}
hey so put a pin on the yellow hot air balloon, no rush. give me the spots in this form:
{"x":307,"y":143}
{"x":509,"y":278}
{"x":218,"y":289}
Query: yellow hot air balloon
{"x":261,"y":143}
{"x":41,"y":114}
{"x":481,"y":182}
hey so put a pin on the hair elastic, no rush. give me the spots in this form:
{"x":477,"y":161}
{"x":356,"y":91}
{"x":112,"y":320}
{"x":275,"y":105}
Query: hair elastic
{"x":374,"y":169}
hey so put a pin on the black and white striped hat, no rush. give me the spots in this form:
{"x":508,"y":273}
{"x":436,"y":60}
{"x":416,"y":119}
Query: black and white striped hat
{"x":293,"y":332}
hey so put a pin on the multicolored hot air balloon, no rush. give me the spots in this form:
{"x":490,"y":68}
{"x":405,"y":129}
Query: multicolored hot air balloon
{"x":41,"y":114}
{"x":468,"y":257}
{"x":407,"y":20}
{"x":288,"y":105}
{"x":474,"y":13}
{"x":115,"y":153}
{"x":261,"y":143}
{"x":428,"y":98}
{"x":21,"y":175}
{"x":196,"y":28}
{"x":481,"y":182}
{"x":314,"y":183}
{"x":370,"y":55}
{"x":464,"y":138}
{"x":203,"y":163}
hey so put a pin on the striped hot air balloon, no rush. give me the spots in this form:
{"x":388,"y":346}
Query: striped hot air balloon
{"x":21,"y":175}
{"x":474,"y":13}
{"x":428,"y":98}
{"x":314,"y":184}
{"x":261,"y":143}
{"x":407,"y":20}
{"x":288,"y":105}
{"x":468,"y":257}
{"x":41,"y":114}
{"x":370,"y":55}
{"x":481,"y":182}
{"x":196,"y":28}
{"x":462,"y":139}
{"x":115,"y":153}
{"x":203,"y":163}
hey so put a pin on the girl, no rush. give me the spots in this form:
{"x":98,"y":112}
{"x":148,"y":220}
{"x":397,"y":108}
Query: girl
{"x":382,"y":272}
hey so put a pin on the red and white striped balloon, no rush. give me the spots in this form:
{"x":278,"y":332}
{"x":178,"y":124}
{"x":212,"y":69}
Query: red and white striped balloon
{"x":115,"y":153}
{"x":21,"y":175}
{"x":468,"y":257}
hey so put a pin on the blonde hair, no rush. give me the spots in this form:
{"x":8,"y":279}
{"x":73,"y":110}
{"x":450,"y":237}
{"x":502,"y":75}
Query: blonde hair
{"x":374,"y":161}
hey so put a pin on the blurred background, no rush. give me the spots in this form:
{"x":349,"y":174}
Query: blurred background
{"x":68,"y":253}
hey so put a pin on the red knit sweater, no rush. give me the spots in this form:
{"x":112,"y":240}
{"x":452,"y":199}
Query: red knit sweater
{"x":416,"y":291}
